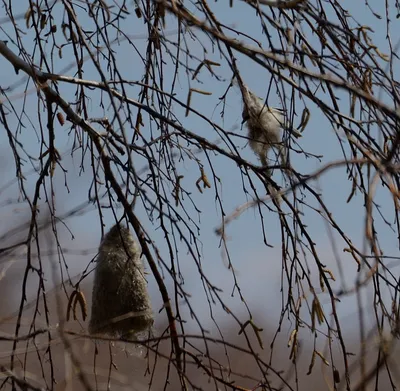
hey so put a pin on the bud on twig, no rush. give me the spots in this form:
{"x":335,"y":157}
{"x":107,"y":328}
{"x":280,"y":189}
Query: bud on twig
{"x":120,"y":301}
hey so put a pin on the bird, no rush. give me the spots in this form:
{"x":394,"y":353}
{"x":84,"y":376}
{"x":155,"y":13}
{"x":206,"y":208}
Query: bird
{"x":264,"y":126}
{"x":120,"y":300}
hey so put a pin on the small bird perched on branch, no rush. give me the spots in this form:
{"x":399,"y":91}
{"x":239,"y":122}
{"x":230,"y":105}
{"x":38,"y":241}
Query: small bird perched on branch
{"x":120,"y":300}
{"x":264,"y":126}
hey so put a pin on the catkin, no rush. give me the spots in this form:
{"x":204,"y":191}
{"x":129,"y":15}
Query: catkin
{"x":120,"y":300}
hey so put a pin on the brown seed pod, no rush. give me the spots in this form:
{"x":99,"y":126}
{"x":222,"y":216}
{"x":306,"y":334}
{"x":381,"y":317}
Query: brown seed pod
{"x":336,"y":376}
{"x":138,"y":12}
{"x":80,"y":299}
{"x":69,"y":307}
{"x":61,"y":118}
{"x":77,"y":297}
{"x":120,"y":300}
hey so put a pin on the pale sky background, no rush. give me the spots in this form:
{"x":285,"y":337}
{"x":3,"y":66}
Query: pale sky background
{"x":258,"y":267}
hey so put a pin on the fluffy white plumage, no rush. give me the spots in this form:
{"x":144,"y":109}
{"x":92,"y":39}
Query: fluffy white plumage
{"x":264,"y":126}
